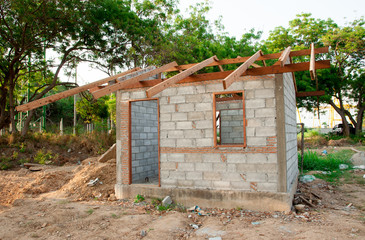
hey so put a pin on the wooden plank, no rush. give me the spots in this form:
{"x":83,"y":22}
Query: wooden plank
{"x":123,"y":83}
{"x":167,"y":83}
{"x":284,"y":57}
{"x":68,"y":93}
{"x":312,"y":66}
{"x":293,"y":76}
{"x":240,"y":70}
{"x":243,"y":59}
{"x":310,"y":94}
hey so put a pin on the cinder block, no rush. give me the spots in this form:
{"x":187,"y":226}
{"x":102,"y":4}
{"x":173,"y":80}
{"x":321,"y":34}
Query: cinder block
{"x":250,"y":113}
{"x":179,"y":116}
{"x":266,"y":167}
{"x":219,"y":167}
{"x":169,"y":92}
{"x":195,"y":133}
{"x":203,"y":184}
{"x":194,"y":175}
{"x":184,"y":125}
{"x":175,"y":134}
{"x":264,"y":93}
{"x":265,"y":131}
{"x":165,"y":117}
{"x":186,"y":90}
{"x":204,"y":142}
{"x":257,"y":158}
{"x":240,"y":185}
{"x":269,"y":84}
{"x":208,"y":133}
{"x":272,"y":177}
{"x":213,"y":176}
{"x":138,"y":95}
{"x":185,"y":183}
{"x":253,"y":84}
{"x":231,"y":167}
{"x":250,"y":131}
{"x":265,"y":112}
{"x":245,"y":167}
{"x":211,"y":157}
{"x":256,"y":177}
{"x":177,"y":99}
{"x":177,"y":175}
{"x":186,"y":107}
{"x":176,"y":157}
{"x":222,"y":184}
{"x":210,"y":88}
{"x":125,"y":96}
{"x":267,"y":187}
{"x":203,"y":167}
{"x":270,"y":122}
{"x":231,"y":177}
{"x":255,"y":103}
{"x":167,"y":182}
{"x":205,"y":124}
{"x":203,"y":106}
{"x":167,"y":108}
{"x":200,"y":88}
{"x":168,"y":142}
{"x":188,"y":167}
{"x":184,"y":142}
{"x":236,"y":158}
{"x":196,"y":116}
{"x":236,"y":85}
{"x":256,"y":141}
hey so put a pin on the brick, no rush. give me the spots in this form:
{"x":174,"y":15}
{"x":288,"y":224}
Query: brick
{"x":211,"y":176}
{"x":265,"y":131}
{"x":194,"y":175}
{"x":181,"y":142}
{"x":236,"y":158}
{"x":255,"y":103}
{"x":196,"y":116}
{"x":184,"y":125}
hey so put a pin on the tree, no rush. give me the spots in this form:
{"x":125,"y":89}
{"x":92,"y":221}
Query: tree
{"x":75,"y":30}
{"x":347,"y":59}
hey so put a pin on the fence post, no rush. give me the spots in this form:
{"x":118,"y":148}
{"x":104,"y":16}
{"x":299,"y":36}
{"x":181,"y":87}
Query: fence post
{"x":61,"y":127}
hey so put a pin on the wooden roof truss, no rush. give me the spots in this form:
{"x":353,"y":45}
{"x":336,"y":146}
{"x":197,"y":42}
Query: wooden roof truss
{"x":141,"y":78}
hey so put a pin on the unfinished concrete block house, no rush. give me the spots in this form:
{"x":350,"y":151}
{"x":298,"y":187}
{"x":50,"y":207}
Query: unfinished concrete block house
{"x":218,"y":139}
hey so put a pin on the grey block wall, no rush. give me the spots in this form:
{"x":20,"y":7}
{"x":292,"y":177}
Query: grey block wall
{"x":231,"y":122}
{"x":290,"y":130}
{"x":144,"y":131}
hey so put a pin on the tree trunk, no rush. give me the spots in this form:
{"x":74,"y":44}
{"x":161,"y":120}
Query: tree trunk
{"x":341,"y":112}
{"x":27,"y":122}
{"x":12,"y":110}
{"x":359,"y":120}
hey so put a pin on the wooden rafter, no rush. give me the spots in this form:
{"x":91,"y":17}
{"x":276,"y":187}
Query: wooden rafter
{"x":293,"y":76}
{"x":125,"y":82}
{"x":167,"y":83}
{"x":243,"y":59}
{"x":310,"y":94}
{"x":283,"y":57}
{"x":68,"y":93}
{"x":312,"y":67}
{"x":240,"y":70}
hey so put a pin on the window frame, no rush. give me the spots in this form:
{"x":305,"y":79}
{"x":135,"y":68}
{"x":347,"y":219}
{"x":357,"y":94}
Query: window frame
{"x":217,"y":145}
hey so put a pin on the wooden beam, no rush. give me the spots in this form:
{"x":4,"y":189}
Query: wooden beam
{"x":283,"y":57}
{"x":167,"y":83}
{"x":123,"y":83}
{"x":293,"y":76}
{"x":240,"y":70}
{"x":297,"y":67}
{"x":243,"y":59}
{"x":312,"y":67}
{"x":310,"y":94}
{"x":256,"y":65}
{"x":68,"y":93}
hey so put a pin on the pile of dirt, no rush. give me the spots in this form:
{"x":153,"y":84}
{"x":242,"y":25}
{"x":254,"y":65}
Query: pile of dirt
{"x":78,"y":188}
{"x":339,"y":142}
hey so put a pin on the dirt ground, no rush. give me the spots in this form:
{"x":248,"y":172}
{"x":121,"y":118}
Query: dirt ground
{"x":56,"y":203}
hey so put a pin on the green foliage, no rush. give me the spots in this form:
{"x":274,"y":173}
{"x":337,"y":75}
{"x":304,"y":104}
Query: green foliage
{"x":42,"y":157}
{"x":329,"y":162}
{"x":5,"y":163}
{"x":91,"y":110}
{"x":90,"y":211}
{"x":138,"y":198}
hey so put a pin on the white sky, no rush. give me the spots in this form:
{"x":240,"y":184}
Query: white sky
{"x":241,"y":15}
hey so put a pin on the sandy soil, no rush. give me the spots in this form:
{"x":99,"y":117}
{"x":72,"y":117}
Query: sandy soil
{"x":56,"y":203}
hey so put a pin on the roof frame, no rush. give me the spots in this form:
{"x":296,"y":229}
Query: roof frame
{"x":178,"y":77}
{"x":283,"y":57}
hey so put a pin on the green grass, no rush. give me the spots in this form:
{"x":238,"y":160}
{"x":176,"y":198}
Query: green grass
{"x":329,"y":162}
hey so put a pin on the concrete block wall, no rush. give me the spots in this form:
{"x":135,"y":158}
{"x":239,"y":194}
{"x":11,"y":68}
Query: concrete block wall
{"x":188,"y":158}
{"x":231,"y":122}
{"x":290,"y":130}
{"x":144,"y":140}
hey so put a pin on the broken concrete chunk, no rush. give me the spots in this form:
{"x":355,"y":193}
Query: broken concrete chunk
{"x":166,"y":201}
{"x":307,"y":178}
{"x":93,"y":182}
{"x":343,"y":166}
{"x":299,"y":207}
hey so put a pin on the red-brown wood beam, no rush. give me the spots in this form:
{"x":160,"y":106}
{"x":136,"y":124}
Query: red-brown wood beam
{"x":310,"y":94}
